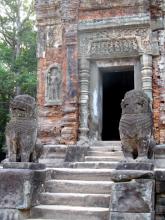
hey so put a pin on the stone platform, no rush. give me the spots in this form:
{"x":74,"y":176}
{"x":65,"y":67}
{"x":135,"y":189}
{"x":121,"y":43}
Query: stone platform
{"x":133,"y":194}
{"x":20,"y":184}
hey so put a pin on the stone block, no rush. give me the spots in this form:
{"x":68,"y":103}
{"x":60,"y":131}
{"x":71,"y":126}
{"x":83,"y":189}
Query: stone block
{"x":19,"y":188}
{"x":160,"y":162}
{"x":131,"y":216}
{"x":159,"y":150}
{"x":13,"y":214}
{"x":127,"y":175}
{"x":135,"y":166}
{"x":24,"y":165}
{"x":136,"y":196}
{"x":76,"y":153}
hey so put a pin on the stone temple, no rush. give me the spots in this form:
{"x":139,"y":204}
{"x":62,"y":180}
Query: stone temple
{"x":90,"y":54}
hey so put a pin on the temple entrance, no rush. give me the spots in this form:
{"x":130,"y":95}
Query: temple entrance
{"x":115,"y":85}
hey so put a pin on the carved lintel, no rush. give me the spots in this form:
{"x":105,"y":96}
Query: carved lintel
{"x":118,"y":43}
{"x":121,"y":47}
{"x":53,"y":80}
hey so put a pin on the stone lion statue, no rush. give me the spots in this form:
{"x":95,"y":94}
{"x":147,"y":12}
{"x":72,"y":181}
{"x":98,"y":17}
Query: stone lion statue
{"x":21,"y":131}
{"x":135,"y":126}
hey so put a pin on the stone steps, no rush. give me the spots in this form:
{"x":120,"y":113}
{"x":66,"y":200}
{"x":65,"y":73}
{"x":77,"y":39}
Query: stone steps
{"x":81,"y":192}
{"x":51,"y":162}
{"x":76,"y":186}
{"x":81,"y":174}
{"x":70,"y":212}
{"x":53,"y":155}
{"x":55,"y":149}
{"x":107,"y":143}
{"x":103,"y":158}
{"x":75,"y":199}
{"x":105,"y":148}
{"x":104,"y":153}
{"x":95,"y":165}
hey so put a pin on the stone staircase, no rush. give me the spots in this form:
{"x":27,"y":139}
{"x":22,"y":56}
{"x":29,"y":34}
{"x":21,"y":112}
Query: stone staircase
{"x":83,"y":191}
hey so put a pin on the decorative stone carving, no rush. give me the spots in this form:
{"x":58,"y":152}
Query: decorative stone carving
{"x":48,"y":37}
{"x":84,"y":101}
{"x":114,"y":47}
{"x":54,"y":36}
{"x":47,"y":11}
{"x":135,"y":126}
{"x":41,"y":42}
{"x":21,"y":131}
{"x":113,"y":41}
{"x":53,"y":85}
{"x":146,"y":72}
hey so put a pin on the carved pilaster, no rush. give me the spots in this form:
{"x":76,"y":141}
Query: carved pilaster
{"x":84,"y":100}
{"x":146,"y":71}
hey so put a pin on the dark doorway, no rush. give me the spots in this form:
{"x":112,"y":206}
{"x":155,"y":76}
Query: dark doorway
{"x":115,"y":85}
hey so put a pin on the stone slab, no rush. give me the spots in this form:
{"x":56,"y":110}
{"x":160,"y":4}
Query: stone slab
{"x":60,"y":212}
{"x":76,"y":153}
{"x":19,"y":188}
{"x":131,"y":216}
{"x":136,"y":196}
{"x":24,"y":165}
{"x":159,"y":154}
{"x":127,"y":175}
{"x":160,"y":162}
{"x":159,"y":149}
{"x":135,"y":166}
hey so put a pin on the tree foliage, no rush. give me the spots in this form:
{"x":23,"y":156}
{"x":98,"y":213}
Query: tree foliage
{"x":18,"y":61}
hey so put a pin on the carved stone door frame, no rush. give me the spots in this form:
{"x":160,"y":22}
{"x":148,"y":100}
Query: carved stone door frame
{"x":140,"y":47}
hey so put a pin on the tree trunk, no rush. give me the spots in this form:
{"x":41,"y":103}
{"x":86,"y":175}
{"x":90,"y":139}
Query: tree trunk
{"x":18,"y":43}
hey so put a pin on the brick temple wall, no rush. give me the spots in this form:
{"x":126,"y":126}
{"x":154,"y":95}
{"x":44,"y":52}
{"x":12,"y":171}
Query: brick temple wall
{"x":58,"y":44}
{"x":157,"y":16}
